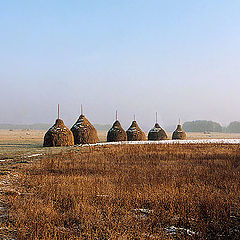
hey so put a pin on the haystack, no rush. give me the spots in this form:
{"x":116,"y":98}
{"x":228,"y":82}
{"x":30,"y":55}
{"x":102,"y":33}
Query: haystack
{"x":179,"y":134}
{"x":84,"y":132}
{"x":58,"y":135}
{"x":134,"y":133}
{"x":157,"y":133}
{"x":116,"y":133}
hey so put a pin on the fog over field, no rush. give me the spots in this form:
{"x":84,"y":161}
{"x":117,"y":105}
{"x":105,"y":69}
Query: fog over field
{"x":178,"y":58}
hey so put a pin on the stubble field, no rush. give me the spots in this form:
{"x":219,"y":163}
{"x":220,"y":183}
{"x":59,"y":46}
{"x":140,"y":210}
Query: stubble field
{"x":176,"y":191}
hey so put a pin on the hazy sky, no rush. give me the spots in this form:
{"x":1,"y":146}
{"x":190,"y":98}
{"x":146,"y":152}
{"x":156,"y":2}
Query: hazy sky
{"x":179,"y":58}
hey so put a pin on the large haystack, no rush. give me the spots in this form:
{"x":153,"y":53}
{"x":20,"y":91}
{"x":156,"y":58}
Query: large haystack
{"x":116,"y":133}
{"x":157,"y":133}
{"x":58,"y":135}
{"x":134,"y":133}
{"x":84,"y":132}
{"x":179,"y":134}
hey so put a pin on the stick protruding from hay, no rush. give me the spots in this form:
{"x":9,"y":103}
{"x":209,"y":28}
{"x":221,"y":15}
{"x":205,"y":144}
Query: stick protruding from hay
{"x":58,"y":112}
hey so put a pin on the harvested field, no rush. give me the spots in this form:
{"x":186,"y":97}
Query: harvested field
{"x":18,"y":143}
{"x":189,"y":191}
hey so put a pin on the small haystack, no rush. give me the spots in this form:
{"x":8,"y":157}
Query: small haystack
{"x":116,"y":132}
{"x":134,"y":132}
{"x":58,"y":135}
{"x":83,"y":131}
{"x":179,"y":134}
{"x":157,"y":133}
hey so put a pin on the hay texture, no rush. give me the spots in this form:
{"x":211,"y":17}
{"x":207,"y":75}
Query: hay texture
{"x":84,"y":132}
{"x":179,"y":134}
{"x":157,"y":133}
{"x":116,"y":133}
{"x":134,"y":133}
{"x":58,"y":135}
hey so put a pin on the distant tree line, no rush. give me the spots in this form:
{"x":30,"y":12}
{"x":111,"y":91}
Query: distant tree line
{"x":233,"y":127}
{"x":210,"y":126}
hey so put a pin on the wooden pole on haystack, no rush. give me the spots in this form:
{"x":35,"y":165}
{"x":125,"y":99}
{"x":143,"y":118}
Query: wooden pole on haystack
{"x":156,"y":117}
{"x":116,"y":116}
{"x":81,"y":109}
{"x":134,"y":117}
{"x":179,"y":121}
{"x":58,"y":111}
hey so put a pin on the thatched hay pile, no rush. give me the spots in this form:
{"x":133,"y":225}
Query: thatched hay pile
{"x":157,"y":133}
{"x":134,"y":133}
{"x":179,"y":133}
{"x":58,"y":135}
{"x":116,"y":133}
{"x":84,"y":132}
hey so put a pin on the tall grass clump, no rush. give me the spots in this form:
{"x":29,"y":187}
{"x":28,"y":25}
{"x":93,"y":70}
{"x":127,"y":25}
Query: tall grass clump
{"x":131,"y":192}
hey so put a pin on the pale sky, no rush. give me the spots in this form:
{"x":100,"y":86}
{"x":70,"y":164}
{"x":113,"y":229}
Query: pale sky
{"x":179,"y":58}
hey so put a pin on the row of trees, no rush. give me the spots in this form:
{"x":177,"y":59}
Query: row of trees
{"x":210,"y":126}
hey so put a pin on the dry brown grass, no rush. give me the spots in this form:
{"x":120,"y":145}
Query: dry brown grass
{"x":91,"y":193}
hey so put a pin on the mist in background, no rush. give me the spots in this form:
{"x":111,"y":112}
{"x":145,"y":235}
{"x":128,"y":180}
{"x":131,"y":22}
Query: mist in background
{"x":179,"y":58}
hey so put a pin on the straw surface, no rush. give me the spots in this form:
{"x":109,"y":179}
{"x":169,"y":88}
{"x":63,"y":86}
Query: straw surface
{"x":157,"y":133}
{"x":134,"y":133}
{"x":58,"y":135}
{"x":84,"y":132}
{"x":116,"y":133}
{"x":179,"y":133}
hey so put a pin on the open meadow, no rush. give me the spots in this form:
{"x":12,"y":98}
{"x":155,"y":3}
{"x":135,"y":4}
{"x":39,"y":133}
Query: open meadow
{"x":162,"y":191}
{"x":17,"y":143}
